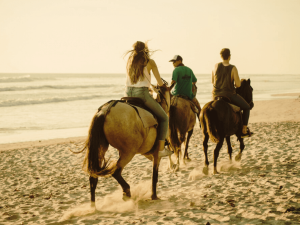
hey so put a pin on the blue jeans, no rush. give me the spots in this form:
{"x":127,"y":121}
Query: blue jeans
{"x":240,"y":101}
{"x":162,"y":117}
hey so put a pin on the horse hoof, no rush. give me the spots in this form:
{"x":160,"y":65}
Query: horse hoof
{"x":175,"y":167}
{"x":238,"y":157}
{"x":93,"y":205}
{"x":126,"y":195}
{"x":205,"y":170}
{"x":155,"y":198}
{"x":126,"y":198}
{"x":188,"y":160}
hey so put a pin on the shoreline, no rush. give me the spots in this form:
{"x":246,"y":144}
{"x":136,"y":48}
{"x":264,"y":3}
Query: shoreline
{"x":41,"y":143}
{"x":287,"y":110}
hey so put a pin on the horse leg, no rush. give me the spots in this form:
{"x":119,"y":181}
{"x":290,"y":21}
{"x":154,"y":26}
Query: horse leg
{"x":242,"y":146}
{"x":186,"y":154}
{"x":229,"y":148}
{"x":93,"y":185}
{"x":216,"y":154}
{"x":122,"y":162}
{"x":177,"y":155}
{"x":205,"y":147}
{"x":171,"y":164}
{"x":156,"y":161}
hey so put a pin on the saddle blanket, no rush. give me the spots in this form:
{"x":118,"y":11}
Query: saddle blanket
{"x":235,"y":108}
{"x":146,"y":117}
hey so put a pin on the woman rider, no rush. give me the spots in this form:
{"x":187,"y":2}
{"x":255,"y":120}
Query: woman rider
{"x":138,"y":81}
{"x":224,"y":77}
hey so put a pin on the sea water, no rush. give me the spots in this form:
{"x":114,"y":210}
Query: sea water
{"x":46,"y":106}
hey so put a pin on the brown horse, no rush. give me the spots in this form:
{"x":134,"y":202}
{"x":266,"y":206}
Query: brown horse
{"x":182,"y":120}
{"x":218,"y":121}
{"x":122,"y":128}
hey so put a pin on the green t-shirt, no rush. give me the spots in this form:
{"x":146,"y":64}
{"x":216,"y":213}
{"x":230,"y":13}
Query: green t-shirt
{"x":184,"y":78}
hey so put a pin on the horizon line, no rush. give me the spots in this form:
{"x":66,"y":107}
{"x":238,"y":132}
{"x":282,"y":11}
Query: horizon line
{"x":110,"y":73}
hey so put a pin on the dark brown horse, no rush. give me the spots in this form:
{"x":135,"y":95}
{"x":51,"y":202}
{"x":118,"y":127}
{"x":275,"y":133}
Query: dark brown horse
{"x":121,"y":127}
{"x":219,"y":121}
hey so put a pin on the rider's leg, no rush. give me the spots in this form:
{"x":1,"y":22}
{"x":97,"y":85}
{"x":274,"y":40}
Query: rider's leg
{"x":197,"y":104}
{"x":240,"y":101}
{"x":163,"y":124}
{"x":163,"y":119}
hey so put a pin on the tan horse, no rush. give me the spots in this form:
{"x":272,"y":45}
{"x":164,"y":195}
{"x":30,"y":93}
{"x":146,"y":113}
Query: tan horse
{"x":181,"y":126}
{"x":122,"y":128}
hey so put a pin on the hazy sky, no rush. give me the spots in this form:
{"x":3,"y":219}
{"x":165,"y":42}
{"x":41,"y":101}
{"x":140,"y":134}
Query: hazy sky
{"x":90,"y":36}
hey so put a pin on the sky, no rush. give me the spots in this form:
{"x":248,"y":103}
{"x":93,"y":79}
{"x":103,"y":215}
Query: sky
{"x":91,"y":36}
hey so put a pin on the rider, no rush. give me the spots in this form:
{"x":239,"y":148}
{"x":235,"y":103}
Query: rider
{"x":224,"y":77}
{"x":138,"y":81}
{"x":184,"y":81}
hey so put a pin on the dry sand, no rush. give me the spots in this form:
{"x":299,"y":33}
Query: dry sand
{"x":42,"y":182}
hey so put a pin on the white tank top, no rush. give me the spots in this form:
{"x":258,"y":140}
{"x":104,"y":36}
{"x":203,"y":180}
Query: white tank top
{"x":141,"y":83}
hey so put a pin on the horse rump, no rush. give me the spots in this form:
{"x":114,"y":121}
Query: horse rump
{"x":210,"y":123}
{"x":96,"y":145}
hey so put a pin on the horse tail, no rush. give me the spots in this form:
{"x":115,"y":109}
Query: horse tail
{"x":173,"y":127}
{"x":96,"y":144}
{"x":211,"y":119}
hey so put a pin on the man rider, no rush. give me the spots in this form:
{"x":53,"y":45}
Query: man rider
{"x":224,"y":77}
{"x":184,"y":81}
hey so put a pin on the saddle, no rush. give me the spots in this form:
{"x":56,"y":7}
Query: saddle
{"x":174,"y":100}
{"x":234,"y":107}
{"x":136,"y":102}
{"x":146,"y":115}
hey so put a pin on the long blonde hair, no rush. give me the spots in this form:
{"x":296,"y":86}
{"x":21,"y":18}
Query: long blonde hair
{"x":138,"y":59}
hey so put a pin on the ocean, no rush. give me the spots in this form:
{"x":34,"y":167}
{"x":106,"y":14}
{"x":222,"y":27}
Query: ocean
{"x":46,"y":106}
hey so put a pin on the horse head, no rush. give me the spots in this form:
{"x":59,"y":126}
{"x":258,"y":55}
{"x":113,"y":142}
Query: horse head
{"x":163,"y":96}
{"x":246,"y":91}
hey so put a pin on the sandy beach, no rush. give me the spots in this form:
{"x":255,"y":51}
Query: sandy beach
{"x":42,"y":182}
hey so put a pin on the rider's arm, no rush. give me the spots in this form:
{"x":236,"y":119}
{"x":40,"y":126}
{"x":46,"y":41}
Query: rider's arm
{"x":194,"y":78}
{"x":172,"y":84}
{"x":155,"y":72}
{"x":235,"y":77}
{"x":213,"y":73}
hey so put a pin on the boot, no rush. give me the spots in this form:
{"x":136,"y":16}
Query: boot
{"x":163,"y":151}
{"x":246,"y":132}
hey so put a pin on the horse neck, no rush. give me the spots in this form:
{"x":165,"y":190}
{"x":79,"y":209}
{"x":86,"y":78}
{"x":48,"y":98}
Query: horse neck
{"x":163,"y":104}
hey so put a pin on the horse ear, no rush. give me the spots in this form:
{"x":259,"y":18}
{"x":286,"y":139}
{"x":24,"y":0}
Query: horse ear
{"x":249,"y":82}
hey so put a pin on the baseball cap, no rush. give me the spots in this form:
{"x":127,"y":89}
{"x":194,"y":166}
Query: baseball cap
{"x":175,"y":58}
